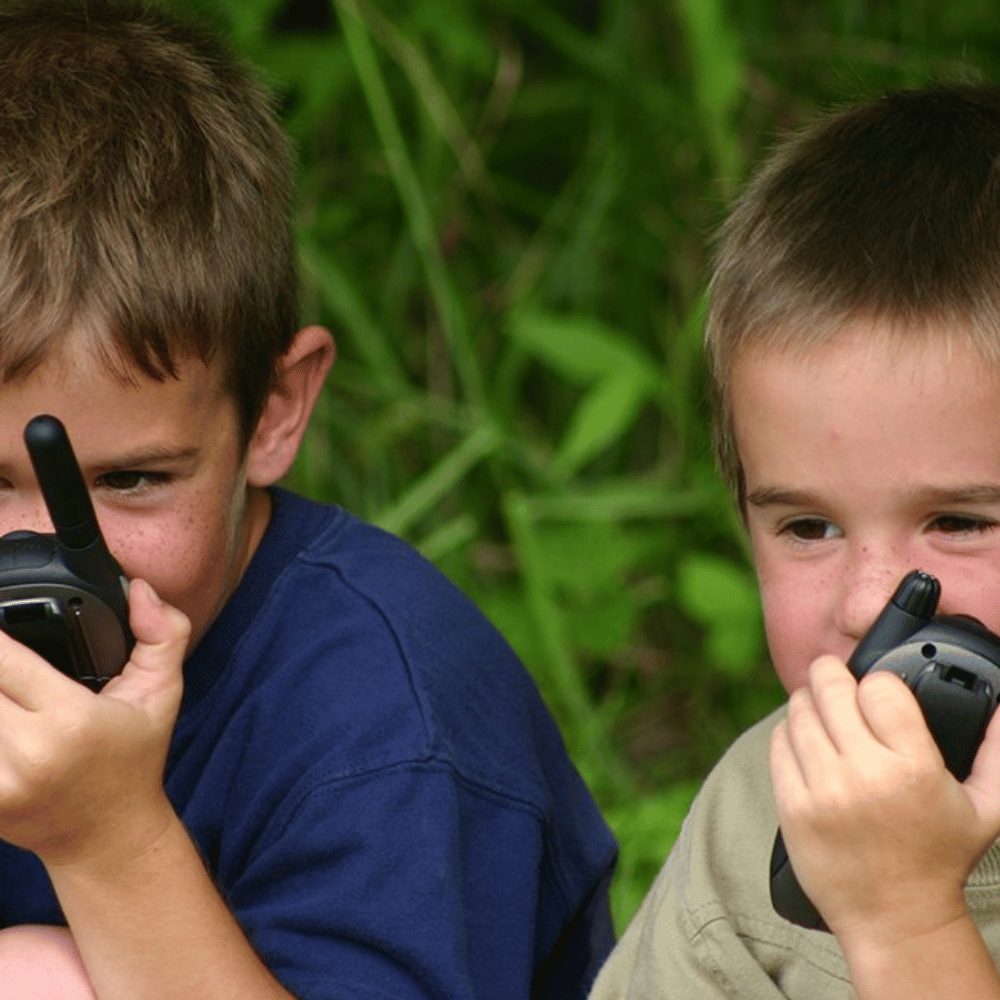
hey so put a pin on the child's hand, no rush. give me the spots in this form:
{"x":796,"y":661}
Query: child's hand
{"x":81,"y":775}
{"x":881,"y":836}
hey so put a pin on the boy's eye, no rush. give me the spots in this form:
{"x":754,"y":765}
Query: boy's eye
{"x":130,"y":480}
{"x":811,"y":529}
{"x":962,"y":524}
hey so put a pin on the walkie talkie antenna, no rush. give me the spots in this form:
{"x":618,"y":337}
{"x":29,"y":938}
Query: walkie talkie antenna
{"x":911,"y":606}
{"x":61,"y":483}
{"x":66,"y":496}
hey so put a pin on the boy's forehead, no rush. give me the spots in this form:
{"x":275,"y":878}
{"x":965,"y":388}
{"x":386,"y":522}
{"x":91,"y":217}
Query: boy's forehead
{"x":109,"y":404}
{"x":91,"y":352}
{"x":926,"y":408}
{"x":919,"y":354}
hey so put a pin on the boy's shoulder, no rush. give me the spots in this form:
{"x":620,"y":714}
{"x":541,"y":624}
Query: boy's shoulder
{"x":707,"y":924}
{"x":734,"y":814}
{"x":360,"y":558}
{"x":333,"y":611}
{"x":321,"y":558}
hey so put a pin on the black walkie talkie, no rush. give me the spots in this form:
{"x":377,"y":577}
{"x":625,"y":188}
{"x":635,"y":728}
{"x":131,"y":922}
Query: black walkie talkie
{"x":952,"y":665}
{"x":63,"y":595}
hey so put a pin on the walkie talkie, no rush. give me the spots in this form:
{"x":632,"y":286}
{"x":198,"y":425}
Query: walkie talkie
{"x":64,"y":595}
{"x":952,"y":665}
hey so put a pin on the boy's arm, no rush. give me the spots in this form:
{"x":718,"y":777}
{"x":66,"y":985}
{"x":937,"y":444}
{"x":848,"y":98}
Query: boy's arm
{"x":81,"y":786}
{"x":881,"y":835}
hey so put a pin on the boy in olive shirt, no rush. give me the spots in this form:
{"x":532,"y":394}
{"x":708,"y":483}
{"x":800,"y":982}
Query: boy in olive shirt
{"x":854,"y":337}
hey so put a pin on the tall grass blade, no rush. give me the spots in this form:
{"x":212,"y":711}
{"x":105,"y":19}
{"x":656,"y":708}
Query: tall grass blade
{"x":719,"y":77}
{"x":441,"y":479}
{"x":344,"y":301}
{"x":415,"y":203}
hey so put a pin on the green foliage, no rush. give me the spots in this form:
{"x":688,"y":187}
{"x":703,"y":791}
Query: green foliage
{"x":583,"y":351}
{"x":504,"y":216}
{"x":721,"y":596}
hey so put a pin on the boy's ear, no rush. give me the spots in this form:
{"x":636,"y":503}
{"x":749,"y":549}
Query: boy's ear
{"x":278,"y":434}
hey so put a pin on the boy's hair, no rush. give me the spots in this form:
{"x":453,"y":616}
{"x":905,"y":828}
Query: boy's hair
{"x":144,"y":198}
{"x":887,"y":212}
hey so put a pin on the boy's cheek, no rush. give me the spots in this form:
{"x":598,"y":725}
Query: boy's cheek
{"x":798,"y":619}
{"x":791,"y":639}
{"x":971,"y":588}
{"x":184,"y":571}
{"x":782,"y":623}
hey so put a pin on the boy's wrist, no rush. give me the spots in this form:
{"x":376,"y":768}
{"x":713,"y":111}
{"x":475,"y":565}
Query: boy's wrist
{"x":903,"y":926}
{"x":128,"y":843}
{"x":884,"y":967}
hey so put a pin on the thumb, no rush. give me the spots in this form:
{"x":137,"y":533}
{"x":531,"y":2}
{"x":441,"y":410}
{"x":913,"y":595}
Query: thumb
{"x":983,"y":783}
{"x":161,"y":637}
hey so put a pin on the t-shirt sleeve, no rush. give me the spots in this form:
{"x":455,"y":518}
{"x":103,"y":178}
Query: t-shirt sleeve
{"x":406,"y":882}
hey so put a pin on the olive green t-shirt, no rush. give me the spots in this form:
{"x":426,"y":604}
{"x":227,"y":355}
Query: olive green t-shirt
{"x":707,"y":928}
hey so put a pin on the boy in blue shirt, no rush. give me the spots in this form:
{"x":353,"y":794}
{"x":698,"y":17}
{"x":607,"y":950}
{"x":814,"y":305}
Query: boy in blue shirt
{"x":322,"y":773}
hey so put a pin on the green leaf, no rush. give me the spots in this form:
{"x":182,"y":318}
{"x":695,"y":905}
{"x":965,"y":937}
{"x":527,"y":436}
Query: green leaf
{"x":505,"y":608}
{"x":369,"y":341}
{"x":581,"y":348}
{"x":413,"y":197}
{"x":715,"y":56}
{"x":586,"y":558}
{"x":603,"y":416}
{"x":628,"y":497}
{"x":735,"y":646}
{"x":604,"y":623}
{"x":646,"y":828}
{"x":439,"y":480}
{"x":452,"y":28}
{"x":718,"y":77}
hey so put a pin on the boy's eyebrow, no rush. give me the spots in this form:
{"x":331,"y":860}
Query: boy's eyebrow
{"x":148,"y":456}
{"x":140,"y":458}
{"x":777,"y":496}
{"x":974,"y":493}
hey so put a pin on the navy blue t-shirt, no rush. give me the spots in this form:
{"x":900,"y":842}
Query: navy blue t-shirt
{"x":372,"y":779}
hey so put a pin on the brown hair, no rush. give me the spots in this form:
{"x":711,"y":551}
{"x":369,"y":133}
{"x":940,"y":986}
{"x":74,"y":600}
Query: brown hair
{"x":144,"y":197}
{"x":888,"y":211}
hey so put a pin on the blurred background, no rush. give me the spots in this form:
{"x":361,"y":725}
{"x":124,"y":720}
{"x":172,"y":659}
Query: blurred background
{"x":505,"y":215}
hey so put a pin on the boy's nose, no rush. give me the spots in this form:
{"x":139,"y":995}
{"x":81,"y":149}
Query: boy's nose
{"x":865,"y":588}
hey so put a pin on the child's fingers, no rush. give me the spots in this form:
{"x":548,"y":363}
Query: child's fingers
{"x":786,"y":775}
{"x":27,"y":681}
{"x":808,"y":739}
{"x":161,"y":637}
{"x":893,"y":715}
{"x":835,"y":694}
{"x":153,"y":622}
{"x":982,"y":784}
